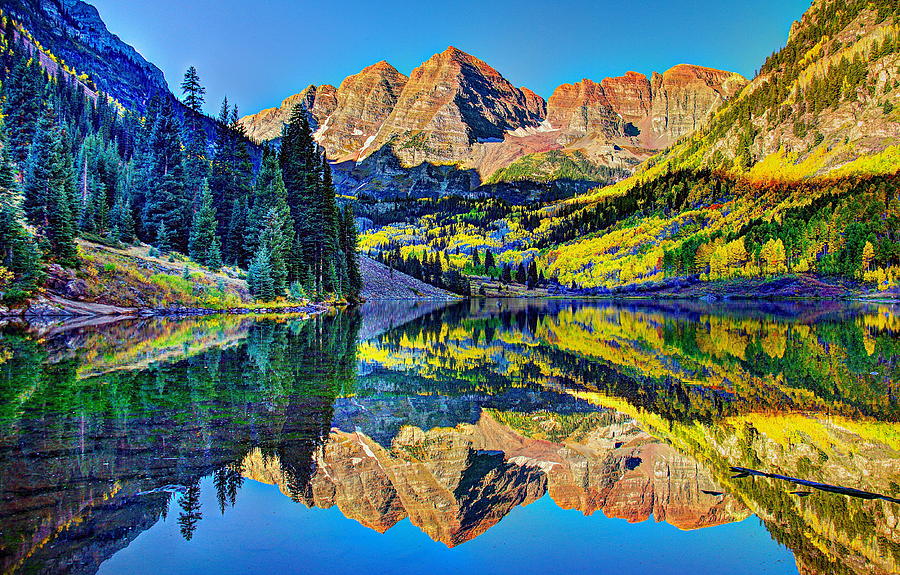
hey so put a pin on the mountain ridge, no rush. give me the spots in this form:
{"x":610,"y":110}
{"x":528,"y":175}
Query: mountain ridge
{"x":455,"y":109}
{"x":74,"y":31}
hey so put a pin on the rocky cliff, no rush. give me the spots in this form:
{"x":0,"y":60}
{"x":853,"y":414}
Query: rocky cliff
{"x":630,"y":117}
{"x":450,"y":103}
{"x":73,"y":31}
{"x":363,"y":103}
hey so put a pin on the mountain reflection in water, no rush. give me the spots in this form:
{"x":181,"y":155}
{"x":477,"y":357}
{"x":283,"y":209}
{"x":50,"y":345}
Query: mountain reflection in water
{"x":450,"y":418}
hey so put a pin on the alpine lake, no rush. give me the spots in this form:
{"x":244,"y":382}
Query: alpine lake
{"x":479,"y":436}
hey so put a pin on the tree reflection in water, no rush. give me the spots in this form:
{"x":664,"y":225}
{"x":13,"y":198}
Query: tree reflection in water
{"x":452,"y":416}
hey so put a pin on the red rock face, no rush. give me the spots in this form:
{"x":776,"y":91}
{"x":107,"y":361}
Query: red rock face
{"x":534,"y":103}
{"x":324,"y":103}
{"x":629,"y":95}
{"x":685,"y":96}
{"x":456,"y":483}
{"x":451,"y":102}
{"x":631,"y":110}
{"x":581,"y":108}
{"x":267,"y":124}
{"x":361,"y":104}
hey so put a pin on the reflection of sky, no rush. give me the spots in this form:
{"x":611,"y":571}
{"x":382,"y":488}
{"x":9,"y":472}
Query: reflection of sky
{"x":266,"y":532}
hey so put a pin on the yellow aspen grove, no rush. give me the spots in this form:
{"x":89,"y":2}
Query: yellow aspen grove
{"x":868,"y":255}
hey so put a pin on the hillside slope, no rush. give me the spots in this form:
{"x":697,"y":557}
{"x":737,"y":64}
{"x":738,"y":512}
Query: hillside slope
{"x":383,"y":283}
{"x":73,"y":31}
{"x":795,"y":174}
{"x":829,"y":97}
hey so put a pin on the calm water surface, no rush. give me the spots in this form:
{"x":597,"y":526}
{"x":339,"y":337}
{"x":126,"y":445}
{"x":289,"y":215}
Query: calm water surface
{"x":493,"y":436}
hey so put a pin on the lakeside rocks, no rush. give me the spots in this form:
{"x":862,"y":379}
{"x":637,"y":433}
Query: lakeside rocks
{"x":53,"y":306}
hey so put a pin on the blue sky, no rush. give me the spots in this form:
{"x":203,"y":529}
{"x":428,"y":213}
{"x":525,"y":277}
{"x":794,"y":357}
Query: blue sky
{"x":260,"y":51}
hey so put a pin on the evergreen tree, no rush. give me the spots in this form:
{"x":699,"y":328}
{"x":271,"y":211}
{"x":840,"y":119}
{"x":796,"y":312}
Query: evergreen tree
{"x":196,"y":165}
{"x":350,"y":248}
{"x":20,"y":257}
{"x":521,"y":274}
{"x":60,"y":229}
{"x":38,"y":169}
{"x":270,"y":221}
{"x":163,"y":238}
{"x":230,"y":182}
{"x":25,"y":96}
{"x":489,"y":263}
{"x":193,"y":90}
{"x":122,"y":226}
{"x":298,"y":270}
{"x":532,"y":280}
{"x":46,"y":198}
{"x":302,"y":173}
{"x":204,"y":245}
{"x":167,"y":201}
{"x":334,"y":277}
{"x":259,"y":275}
{"x":235,"y":238}
{"x":275,"y":237}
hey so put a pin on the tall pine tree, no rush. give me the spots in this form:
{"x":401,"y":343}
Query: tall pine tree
{"x":204,"y":246}
{"x":196,"y":163}
{"x":167,"y":200}
{"x":350,"y":251}
{"x":47,"y":177}
{"x":20,"y":258}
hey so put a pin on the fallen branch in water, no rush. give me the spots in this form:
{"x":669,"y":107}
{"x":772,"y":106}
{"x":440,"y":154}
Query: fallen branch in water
{"x":744,"y":472}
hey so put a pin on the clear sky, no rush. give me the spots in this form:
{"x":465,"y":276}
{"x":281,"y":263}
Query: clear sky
{"x":260,"y":51}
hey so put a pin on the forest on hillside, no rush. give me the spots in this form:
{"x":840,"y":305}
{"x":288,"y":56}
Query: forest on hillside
{"x":74,"y":163}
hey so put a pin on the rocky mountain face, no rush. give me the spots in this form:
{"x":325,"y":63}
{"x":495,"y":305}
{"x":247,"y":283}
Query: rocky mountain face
{"x":319,"y":101}
{"x":456,"y":110}
{"x":362,"y":104}
{"x":452,"y":102}
{"x":455,"y":483}
{"x":623,"y":120}
{"x":73,"y":31}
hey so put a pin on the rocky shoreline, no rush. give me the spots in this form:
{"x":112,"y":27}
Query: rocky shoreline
{"x":56,"y":307}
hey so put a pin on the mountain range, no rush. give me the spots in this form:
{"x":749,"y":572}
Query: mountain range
{"x":456,"y":109}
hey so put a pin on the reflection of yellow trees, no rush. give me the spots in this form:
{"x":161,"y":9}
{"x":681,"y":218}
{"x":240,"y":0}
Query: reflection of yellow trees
{"x":723,"y":338}
{"x":758,"y":361}
{"x":136,"y":344}
{"x":622,"y":338}
{"x":828,"y":533}
{"x":774,"y":342}
{"x":883,"y":320}
{"x":452,"y":350}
